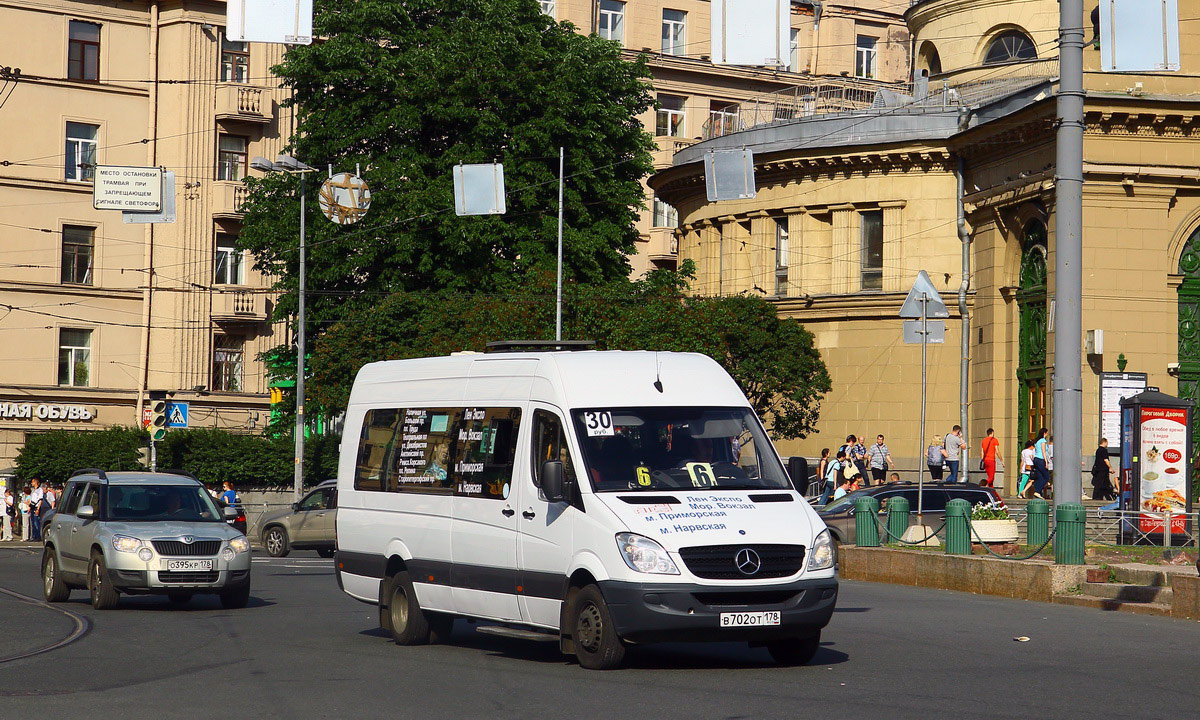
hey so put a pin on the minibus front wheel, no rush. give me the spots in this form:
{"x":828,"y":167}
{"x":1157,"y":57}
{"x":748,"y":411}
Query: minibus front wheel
{"x":597,"y":644}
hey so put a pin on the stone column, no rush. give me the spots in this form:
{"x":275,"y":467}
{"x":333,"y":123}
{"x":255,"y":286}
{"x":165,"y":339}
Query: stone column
{"x":797,"y":275}
{"x":847,"y":251}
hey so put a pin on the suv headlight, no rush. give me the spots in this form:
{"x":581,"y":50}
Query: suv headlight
{"x":645,"y":555}
{"x":124,"y":543}
{"x":240,"y":545}
{"x":820,"y":555}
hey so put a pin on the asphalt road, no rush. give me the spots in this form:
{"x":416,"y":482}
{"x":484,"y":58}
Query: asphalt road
{"x":302,"y":649}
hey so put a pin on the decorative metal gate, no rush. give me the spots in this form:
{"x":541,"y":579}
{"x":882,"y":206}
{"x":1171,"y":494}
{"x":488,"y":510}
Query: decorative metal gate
{"x":1189,"y":325}
{"x":1031,"y":357}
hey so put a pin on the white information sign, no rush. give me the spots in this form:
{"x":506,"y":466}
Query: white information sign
{"x":131,"y":189}
{"x":751,"y":32}
{"x":274,"y":21}
{"x":598,"y":424}
{"x":1115,"y":387}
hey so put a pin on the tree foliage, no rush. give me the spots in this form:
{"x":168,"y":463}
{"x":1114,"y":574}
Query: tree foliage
{"x":773,"y":360}
{"x":215,"y":456}
{"x":52,"y":456}
{"x":407,"y":90}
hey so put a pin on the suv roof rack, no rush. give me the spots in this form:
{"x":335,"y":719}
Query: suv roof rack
{"x":538,"y":345}
{"x":88,"y":471}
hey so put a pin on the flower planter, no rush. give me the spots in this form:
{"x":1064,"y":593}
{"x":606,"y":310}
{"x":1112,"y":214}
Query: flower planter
{"x":994,"y":531}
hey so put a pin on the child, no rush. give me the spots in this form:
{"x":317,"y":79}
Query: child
{"x":1026,"y":468}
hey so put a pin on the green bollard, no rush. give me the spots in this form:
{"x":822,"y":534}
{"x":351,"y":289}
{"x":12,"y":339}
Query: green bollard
{"x":958,"y":539}
{"x":1068,"y":538}
{"x":866,"y":528}
{"x":1038,"y":527}
{"x":897,"y":518}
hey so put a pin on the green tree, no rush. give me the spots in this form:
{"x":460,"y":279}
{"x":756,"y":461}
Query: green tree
{"x":52,"y":456}
{"x":410,"y":89}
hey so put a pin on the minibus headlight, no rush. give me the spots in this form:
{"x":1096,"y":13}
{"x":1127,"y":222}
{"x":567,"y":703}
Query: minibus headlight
{"x":644,"y":555}
{"x":820,"y":555}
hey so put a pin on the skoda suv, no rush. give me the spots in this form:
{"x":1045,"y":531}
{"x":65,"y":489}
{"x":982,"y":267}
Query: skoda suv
{"x":142,"y":533}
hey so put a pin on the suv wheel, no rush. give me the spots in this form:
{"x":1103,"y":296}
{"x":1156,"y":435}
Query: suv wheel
{"x":276,"y":541}
{"x":104,"y":595}
{"x":53,"y":586}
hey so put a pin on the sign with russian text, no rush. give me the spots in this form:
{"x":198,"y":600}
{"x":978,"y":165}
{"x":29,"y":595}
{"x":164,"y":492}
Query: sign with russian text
{"x":129,"y":189}
{"x":1163,"y":468}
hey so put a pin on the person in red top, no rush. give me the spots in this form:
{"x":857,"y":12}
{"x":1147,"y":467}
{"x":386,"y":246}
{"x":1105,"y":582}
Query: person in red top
{"x":991,"y":453}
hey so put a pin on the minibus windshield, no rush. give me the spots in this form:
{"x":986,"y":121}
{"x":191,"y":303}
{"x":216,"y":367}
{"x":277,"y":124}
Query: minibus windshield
{"x":677,"y":448}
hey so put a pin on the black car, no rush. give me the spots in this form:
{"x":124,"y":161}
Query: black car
{"x":839,"y":514}
{"x":239,"y":522}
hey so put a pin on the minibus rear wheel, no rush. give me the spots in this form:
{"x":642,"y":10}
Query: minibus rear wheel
{"x":597,"y":644}
{"x":408,"y":621}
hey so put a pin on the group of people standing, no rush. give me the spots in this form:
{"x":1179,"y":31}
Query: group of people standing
{"x":24,"y":510}
{"x":847,"y":471}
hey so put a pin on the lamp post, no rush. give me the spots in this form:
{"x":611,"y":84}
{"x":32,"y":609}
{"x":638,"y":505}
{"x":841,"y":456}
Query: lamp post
{"x":288,"y":164}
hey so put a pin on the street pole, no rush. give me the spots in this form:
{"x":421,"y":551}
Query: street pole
{"x":921,"y":455}
{"x":299,"y":477}
{"x":1068,"y":256}
{"x":558,"y":290}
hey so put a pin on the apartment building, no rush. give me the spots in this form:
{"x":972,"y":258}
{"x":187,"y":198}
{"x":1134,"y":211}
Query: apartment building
{"x":94,"y":312}
{"x":853,"y":45}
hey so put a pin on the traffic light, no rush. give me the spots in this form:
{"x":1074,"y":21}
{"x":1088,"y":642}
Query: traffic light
{"x":158,"y":419}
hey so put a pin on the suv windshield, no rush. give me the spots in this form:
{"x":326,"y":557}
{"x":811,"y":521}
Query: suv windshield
{"x":155,"y":503}
{"x":677,"y":448}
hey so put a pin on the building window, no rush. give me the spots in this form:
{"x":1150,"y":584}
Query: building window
{"x":547,"y":7}
{"x":83,"y":51}
{"x":227,"y":363}
{"x":231,"y":157}
{"x":1010,"y":46}
{"x":77,"y":246}
{"x":794,"y":51}
{"x":74,"y":357}
{"x":669,"y":121}
{"x":664,"y":214}
{"x":228,"y":266}
{"x":864,"y":56}
{"x":722,"y":118}
{"x":674,"y":32}
{"x":235,"y":60}
{"x":781,"y":257}
{"x":872,"y":250}
{"x":81,"y":151}
{"x":612,"y":20}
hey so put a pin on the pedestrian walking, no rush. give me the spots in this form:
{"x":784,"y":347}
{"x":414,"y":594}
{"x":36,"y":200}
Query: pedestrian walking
{"x":859,"y":456}
{"x":821,"y":466}
{"x":1102,"y":474}
{"x":1025,"y":486}
{"x":1041,"y":472}
{"x":833,"y":473}
{"x":230,"y":495}
{"x":880,"y":459}
{"x":954,"y":444}
{"x":989,"y":457}
{"x":935,"y":457}
{"x":35,"y":510}
{"x":23,"y":506}
{"x":9,"y":514}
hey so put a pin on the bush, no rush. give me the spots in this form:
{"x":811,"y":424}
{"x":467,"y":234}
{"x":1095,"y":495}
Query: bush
{"x":216,"y":456}
{"x":52,"y":456}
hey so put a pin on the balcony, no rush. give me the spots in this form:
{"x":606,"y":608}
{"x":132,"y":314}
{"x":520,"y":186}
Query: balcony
{"x":228,"y":197}
{"x":663,"y":246}
{"x":667,"y":147}
{"x":243,"y":103}
{"x":238,"y":306}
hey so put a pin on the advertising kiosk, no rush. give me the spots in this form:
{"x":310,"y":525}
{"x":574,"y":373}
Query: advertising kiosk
{"x":1156,"y":467}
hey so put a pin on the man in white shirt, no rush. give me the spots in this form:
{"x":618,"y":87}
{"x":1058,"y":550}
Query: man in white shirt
{"x":8,"y":509}
{"x":35,"y":516}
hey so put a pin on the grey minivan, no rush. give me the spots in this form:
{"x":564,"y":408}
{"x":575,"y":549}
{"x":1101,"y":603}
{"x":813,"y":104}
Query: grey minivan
{"x":306,"y":525}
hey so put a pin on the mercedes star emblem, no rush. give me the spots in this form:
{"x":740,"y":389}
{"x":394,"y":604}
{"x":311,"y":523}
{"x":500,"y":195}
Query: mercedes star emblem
{"x":747,"y":561}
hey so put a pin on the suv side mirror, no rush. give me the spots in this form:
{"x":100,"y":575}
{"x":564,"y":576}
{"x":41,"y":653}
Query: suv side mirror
{"x":295,"y":506}
{"x":87,"y":512}
{"x":552,"y":480}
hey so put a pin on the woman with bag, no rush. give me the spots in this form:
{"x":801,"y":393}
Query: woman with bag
{"x":935,"y":457}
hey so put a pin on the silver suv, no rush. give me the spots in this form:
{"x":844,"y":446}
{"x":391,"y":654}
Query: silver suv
{"x":142,"y":533}
{"x":306,"y":525}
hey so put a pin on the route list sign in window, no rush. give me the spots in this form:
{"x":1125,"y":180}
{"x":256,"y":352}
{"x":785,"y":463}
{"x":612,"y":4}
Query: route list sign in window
{"x":130,"y":189}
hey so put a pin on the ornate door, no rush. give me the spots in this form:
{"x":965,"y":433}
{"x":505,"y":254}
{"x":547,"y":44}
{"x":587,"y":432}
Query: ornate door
{"x":1189,"y":324}
{"x":1031,"y":356}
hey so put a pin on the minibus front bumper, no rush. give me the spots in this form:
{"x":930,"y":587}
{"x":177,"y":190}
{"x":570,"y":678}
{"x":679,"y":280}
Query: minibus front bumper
{"x":683,"y":612}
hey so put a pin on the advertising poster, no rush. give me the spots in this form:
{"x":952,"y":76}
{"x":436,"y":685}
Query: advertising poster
{"x":1115,"y":387}
{"x":1163,"y":452}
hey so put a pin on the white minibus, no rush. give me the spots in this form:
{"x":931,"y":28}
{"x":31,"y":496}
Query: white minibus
{"x":592,"y":498}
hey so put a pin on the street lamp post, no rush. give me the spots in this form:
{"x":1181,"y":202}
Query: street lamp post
{"x":288,"y":164}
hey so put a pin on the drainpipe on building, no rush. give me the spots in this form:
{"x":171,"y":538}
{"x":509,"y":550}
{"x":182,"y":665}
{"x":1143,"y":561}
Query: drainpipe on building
{"x":965,"y":238}
{"x":817,"y":7}
{"x":148,"y":255}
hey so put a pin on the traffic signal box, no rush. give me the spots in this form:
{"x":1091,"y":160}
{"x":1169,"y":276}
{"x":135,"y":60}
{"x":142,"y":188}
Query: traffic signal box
{"x":158,"y":419}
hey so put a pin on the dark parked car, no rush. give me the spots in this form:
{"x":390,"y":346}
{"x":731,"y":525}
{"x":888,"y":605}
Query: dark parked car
{"x":839,"y":514}
{"x":239,"y":521}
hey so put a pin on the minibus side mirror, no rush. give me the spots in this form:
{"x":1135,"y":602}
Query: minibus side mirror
{"x":552,"y":480}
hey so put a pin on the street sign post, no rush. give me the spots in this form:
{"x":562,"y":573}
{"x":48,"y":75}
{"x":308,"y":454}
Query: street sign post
{"x":923,"y":302}
{"x":130,"y":189}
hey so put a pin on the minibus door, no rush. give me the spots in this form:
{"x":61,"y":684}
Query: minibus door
{"x":545,"y":527}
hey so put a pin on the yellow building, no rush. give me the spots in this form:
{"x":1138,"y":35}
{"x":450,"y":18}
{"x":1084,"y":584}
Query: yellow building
{"x":96,"y":312}
{"x":851,"y":205}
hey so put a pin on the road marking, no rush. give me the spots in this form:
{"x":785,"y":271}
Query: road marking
{"x":82,"y":626}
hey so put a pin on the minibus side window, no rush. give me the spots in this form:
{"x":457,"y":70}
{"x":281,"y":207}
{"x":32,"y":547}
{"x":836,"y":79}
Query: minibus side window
{"x":550,"y":443}
{"x":485,"y":447}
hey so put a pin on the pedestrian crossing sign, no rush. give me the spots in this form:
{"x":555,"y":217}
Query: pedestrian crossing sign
{"x":177,"y":414}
